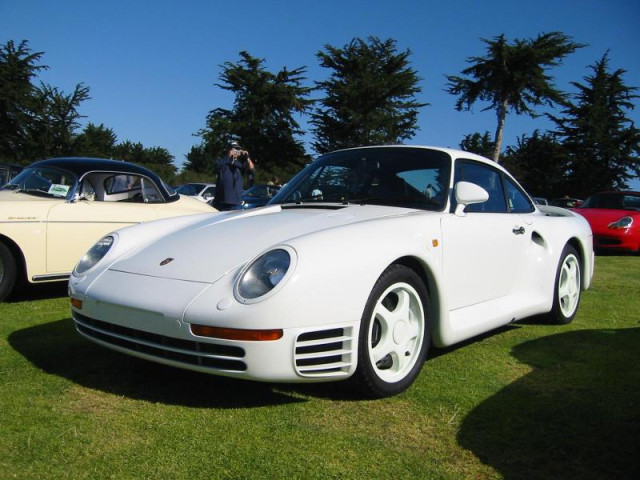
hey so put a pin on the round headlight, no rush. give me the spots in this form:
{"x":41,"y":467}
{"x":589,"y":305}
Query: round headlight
{"x":264,"y":274}
{"x":94,"y":255}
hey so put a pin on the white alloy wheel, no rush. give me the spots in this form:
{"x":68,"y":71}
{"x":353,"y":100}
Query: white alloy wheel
{"x":569,"y":286}
{"x":566,"y":297}
{"x":394,"y":333}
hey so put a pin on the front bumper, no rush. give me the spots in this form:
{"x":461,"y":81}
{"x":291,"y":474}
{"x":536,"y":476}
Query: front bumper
{"x":617,"y":242}
{"x":324,"y":353}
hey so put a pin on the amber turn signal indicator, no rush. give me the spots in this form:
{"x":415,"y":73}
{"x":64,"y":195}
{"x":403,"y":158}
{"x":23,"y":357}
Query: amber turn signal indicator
{"x":77,"y":303}
{"x":236,"y":333}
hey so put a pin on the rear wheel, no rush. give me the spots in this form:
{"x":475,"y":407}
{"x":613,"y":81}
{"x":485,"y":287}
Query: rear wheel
{"x":8,"y":271}
{"x":566,"y":297}
{"x":394,"y":333}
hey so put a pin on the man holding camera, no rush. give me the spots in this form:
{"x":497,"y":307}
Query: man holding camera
{"x":230,"y":171}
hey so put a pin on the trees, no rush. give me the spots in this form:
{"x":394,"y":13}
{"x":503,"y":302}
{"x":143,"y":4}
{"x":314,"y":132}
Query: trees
{"x":602,"y":142}
{"x":54,"y":121}
{"x":96,"y":141}
{"x":369,"y":96}
{"x":35,"y":121}
{"x":263,"y":116}
{"x":18,"y":68}
{"x":512,"y":77}
{"x":479,"y":144}
{"x":539,"y":162}
{"x":157,"y":159}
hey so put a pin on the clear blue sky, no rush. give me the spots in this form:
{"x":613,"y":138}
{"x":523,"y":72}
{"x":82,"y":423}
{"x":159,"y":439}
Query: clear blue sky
{"x":152,"y":65}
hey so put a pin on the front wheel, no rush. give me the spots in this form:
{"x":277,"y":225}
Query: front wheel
{"x":394,"y":333}
{"x":8,"y":271}
{"x":566,"y":296}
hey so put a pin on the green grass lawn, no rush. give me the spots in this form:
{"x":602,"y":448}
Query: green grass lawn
{"x":529,"y":401}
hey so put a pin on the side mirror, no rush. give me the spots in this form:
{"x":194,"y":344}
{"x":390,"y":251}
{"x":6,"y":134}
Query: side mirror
{"x":467,"y":194}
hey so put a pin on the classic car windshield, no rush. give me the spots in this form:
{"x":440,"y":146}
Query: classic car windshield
{"x":43,"y":181}
{"x":393,"y":176}
{"x":617,"y":201}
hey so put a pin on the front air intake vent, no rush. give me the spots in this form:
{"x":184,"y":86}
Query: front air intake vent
{"x":325,"y":353}
{"x":210,"y":356}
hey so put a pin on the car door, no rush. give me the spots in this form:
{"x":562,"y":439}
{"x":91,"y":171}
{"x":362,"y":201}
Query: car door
{"x":482,"y":250}
{"x":109,"y":203}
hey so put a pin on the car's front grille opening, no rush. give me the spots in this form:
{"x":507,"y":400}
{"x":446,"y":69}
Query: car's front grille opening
{"x":324,"y":353}
{"x":208,"y":355}
{"x":609,"y":241}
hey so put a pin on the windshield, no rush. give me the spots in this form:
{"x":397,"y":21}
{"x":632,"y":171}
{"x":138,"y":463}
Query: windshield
{"x":260,"y":191}
{"x":43,"y":181}
{"x":393,"y":176}
{"x":615,"y":201}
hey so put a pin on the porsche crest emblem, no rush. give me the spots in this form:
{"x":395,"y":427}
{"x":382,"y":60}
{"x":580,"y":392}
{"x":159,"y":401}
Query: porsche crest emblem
{"x":166,"y":261}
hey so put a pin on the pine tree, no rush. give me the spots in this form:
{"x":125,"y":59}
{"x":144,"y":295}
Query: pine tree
{"x":478,"y":144}
{"x":603,"y":143}
{"x":512,"y":77}
{"x":540,"y":163}
{"x":369,"y":97}
{"x":18,"y":69}
{"x":263,"y":117}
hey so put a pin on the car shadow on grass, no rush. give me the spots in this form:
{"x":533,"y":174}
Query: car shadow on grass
{"x":57,"y":349}
{"x":576,"y":415}
{"x":41,"y":291}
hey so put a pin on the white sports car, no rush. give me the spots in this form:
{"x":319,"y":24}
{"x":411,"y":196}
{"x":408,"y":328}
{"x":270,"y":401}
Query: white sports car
{"x":358,"y":265}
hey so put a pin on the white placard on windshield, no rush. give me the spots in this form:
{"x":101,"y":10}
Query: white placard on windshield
{"x":58,"y":190}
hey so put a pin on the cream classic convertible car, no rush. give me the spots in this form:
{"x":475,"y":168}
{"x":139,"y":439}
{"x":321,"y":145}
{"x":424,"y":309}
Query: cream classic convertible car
{"x":354,"y":269}
{"x":55,"y":209}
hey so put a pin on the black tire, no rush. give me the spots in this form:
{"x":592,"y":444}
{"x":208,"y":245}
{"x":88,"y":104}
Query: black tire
{"x":8,"y":271}
{"x":567,"y":289}
{"x":392,"y":348}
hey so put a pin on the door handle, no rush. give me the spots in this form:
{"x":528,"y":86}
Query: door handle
{"x":518,"y":231}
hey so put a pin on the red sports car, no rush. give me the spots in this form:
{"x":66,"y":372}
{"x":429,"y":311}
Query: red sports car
{"x":615,"y":220}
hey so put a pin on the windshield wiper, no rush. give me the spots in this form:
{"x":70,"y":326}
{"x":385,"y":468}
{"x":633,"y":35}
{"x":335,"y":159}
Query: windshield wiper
{"x":367,"y":200}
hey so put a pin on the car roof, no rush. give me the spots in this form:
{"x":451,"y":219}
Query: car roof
{"x":452,"y":152}
{"x":81,"y":165}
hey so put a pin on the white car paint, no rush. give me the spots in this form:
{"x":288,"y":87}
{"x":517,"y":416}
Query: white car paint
{"x":481,"y":270}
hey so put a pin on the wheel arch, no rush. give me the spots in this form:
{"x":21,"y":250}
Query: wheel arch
{"x":16,"y":251}
{"x":583,"y":259}
{"x":425,"y":272}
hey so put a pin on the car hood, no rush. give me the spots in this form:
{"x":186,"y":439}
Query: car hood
{"x":218,"y":244}
{"x":600,"y":218}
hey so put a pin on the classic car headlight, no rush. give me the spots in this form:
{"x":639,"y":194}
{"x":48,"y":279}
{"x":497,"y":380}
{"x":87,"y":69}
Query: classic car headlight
{"x":624,"y":222}
{"x":264,"y":274}
{"x":94,"y":255}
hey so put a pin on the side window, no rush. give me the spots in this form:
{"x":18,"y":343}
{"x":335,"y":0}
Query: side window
{"x":130,"y":188}
{"x":516,"y":199}
{"x":487,"y":178}
{"x":87,"y":191}
{"x":121,"y":183}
